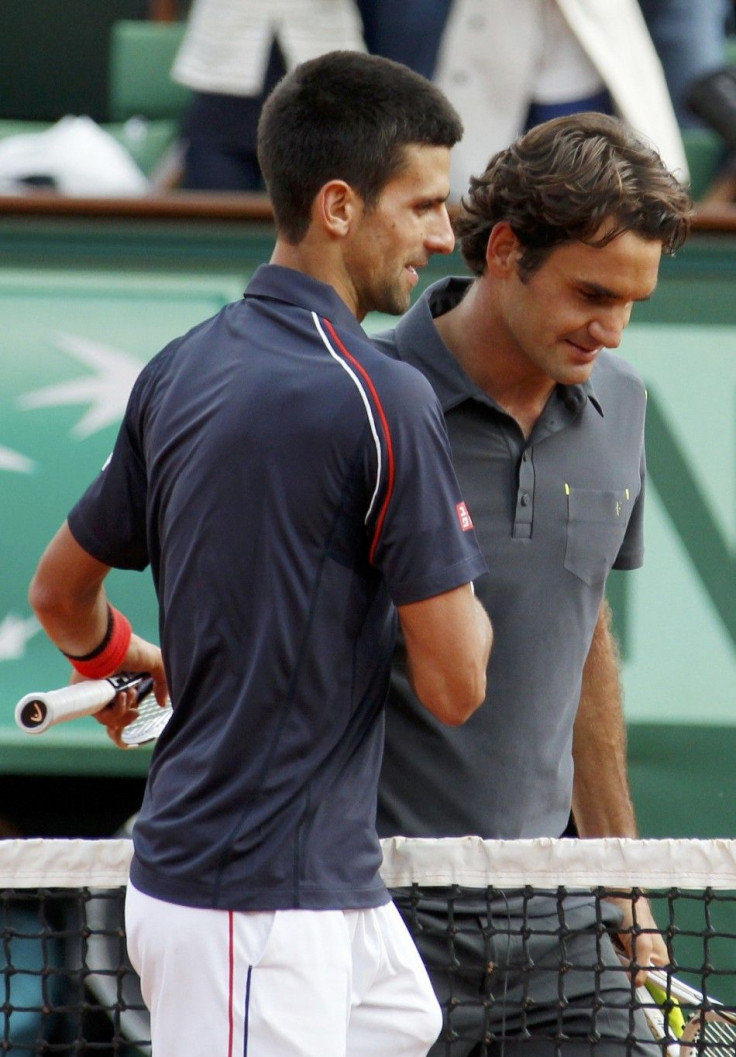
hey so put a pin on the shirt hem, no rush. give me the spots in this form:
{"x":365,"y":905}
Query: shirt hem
{"x":243,"y":897}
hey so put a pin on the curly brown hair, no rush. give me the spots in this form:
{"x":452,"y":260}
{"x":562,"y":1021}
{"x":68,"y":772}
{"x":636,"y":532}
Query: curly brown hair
{"x":563,"y":181}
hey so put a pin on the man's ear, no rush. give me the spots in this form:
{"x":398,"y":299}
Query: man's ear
{"x":336,"y":206}
{"x":503,"y":250}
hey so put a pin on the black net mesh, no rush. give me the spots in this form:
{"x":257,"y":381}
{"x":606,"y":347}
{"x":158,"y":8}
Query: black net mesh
{"x":532,"y":971}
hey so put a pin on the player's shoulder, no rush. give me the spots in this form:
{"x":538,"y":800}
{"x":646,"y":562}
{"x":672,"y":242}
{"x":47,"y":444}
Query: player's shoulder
{"x":401,"y":382}
{"x":379,"y":357}
{"x":386,"y":341}
{"x":156,"y":372}
{"x":164,"y":359}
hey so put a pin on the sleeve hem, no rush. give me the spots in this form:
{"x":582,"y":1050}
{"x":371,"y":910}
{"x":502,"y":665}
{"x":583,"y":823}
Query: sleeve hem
{"x":446,"y":579}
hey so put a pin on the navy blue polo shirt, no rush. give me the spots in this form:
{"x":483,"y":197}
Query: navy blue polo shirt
{"x":287,"y":483}
{"x":553,"y":514}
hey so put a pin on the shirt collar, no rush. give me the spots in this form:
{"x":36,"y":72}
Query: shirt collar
{"x":418,"y":342}
{"x":274,"y":282}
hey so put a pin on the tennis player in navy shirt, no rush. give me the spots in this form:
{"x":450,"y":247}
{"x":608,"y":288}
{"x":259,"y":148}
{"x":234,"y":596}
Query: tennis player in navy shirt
{"x":292,"y":490}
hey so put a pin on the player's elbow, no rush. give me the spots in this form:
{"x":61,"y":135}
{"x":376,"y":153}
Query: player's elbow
{"x":47,"y":599}
{"x":448,"y":644}
{"x":41,"y":599}
{"x":455,"y":700}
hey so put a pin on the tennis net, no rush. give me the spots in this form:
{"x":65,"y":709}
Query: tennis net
{"x":520,"y":938}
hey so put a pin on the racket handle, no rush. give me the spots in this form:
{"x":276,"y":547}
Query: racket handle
{"x":36,"y":712}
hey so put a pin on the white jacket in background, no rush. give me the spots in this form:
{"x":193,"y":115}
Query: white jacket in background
{"x":495,"y":53}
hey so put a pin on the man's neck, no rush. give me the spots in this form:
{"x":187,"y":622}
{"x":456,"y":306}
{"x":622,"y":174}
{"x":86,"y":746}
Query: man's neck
{"x":321,"y":261}
{"x":479,"y":342}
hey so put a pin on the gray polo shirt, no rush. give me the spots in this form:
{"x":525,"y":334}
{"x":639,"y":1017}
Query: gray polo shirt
{"x":553,"y":514}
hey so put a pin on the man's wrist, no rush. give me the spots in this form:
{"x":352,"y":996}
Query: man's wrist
{"x":107,"y":657}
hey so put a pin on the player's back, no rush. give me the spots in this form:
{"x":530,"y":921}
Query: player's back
{"x":267,"y":466}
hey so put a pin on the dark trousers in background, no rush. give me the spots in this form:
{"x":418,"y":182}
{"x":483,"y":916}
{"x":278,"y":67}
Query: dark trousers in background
{"x":532,"y":976}
{"x":407,"y":31}
{"x":219,"y":137}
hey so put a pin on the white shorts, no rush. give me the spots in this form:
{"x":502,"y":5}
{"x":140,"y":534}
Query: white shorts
{"x":285,"y":983}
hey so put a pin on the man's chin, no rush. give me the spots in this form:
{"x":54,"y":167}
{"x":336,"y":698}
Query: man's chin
{"x":395,"y":301}
{"x":578,"y":375}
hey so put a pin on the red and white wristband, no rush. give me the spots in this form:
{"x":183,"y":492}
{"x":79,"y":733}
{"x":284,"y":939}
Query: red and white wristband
{"x":106,"y":658}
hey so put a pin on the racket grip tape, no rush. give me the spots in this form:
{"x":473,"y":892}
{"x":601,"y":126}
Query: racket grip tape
{"x":36,"y":712}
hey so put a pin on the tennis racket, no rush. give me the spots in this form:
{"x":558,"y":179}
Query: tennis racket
{"x":691,"y":1023}
{"x":37,"y":712}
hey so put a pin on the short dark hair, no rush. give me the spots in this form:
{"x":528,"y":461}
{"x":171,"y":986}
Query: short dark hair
{"x":561,"y":182}
{"x":345,"y":115}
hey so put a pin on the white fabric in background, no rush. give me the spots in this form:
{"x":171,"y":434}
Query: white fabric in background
{"x":228,"y":42}
{"x":493,"y":52}
{"x":76,"y":155}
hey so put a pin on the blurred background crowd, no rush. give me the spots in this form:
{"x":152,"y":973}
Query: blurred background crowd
{"x":506,"y":65}
{"x":205,"y":67}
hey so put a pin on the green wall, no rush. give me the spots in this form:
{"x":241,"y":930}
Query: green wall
{"x":84,"y":304}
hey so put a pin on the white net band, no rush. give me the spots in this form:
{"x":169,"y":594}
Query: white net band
{"x":467,"y":861}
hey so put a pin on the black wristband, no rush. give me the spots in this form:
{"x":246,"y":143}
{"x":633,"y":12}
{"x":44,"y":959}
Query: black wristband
{"x":103,"y":645}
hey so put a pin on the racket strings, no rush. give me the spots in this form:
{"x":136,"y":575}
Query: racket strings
{"x":151,"y":720}
{"x":716,"y":1034}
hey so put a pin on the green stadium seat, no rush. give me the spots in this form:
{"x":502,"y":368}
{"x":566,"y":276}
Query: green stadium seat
{"x":139,"y":81}
{"x":11,"y":127}
{"x":148,"y":141}
{"x":705,"y":152}
{"x":140,"y":87}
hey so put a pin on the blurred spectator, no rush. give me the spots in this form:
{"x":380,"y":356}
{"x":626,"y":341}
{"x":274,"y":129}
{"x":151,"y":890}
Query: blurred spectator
{"x":407,"y":31}
{"x":509,"y":65}
{"x":690,"y":38}
{"x":713,"y":98}
{"x":232,"y":55}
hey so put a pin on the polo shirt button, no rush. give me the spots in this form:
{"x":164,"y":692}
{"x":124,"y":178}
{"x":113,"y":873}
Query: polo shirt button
{"x":525,"y":499}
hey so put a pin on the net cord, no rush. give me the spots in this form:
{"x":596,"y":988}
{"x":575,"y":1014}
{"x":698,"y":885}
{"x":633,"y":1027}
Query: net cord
{"x":465,"y":861}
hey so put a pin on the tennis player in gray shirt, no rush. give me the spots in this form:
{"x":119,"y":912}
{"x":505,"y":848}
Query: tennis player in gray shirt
{"x":563,"y":233}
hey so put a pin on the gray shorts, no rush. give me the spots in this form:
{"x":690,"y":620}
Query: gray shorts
{"x":522,"y":975}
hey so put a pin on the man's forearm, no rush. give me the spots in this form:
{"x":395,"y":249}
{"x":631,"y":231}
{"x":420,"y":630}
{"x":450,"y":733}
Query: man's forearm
{"x":602,"y":803}
{"x":68,"y":596}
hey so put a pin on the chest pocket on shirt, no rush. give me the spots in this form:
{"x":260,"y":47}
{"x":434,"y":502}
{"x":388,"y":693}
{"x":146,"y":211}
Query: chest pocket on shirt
{"x":596,"y":525}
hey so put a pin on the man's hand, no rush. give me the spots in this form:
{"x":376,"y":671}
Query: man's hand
{"x":142,"y":656}
{"x":642,"y":942}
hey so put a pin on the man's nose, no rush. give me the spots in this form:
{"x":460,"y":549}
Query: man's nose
{"x":441,"y":238}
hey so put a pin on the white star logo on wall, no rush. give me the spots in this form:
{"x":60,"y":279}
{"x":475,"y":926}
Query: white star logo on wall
{"x":14,"y":462}
{"x":15,"y":632}
{"x":106,"y":391}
